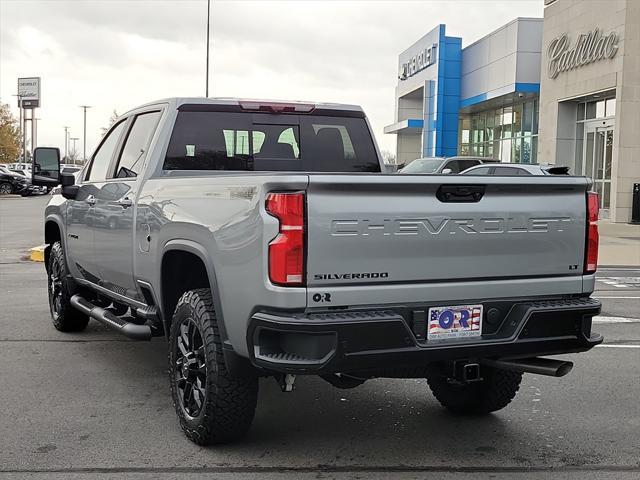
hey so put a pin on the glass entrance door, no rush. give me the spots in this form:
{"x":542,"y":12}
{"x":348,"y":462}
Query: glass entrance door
{"x":598,"y":152}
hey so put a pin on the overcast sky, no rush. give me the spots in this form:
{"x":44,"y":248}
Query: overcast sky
{"x":116,"y":54}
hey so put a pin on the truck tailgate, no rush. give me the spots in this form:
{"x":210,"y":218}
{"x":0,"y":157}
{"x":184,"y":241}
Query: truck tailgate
{"x":405,"y":229}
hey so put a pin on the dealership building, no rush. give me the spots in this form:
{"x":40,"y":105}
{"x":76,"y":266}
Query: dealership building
{"x":562,"y":89}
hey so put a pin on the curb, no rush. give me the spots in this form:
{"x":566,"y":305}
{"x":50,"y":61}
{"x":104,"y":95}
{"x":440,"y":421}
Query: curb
{"x":36,"y":254}
{"x":11,"y":195}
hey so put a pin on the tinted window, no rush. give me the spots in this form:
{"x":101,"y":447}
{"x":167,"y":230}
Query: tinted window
{"x":231,"y":141}
{"x":102,"y":158}
{"x":464,"y":164}
{"x":423,"y":165}
{"x":479,"y":171}
{"x":136,"y":145}
{"x":276,"y":141}
{"x":454,"y":166}
{"x":508,"y":171}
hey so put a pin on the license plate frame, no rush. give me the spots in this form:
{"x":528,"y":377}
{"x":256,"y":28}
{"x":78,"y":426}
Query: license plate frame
{"x":451,"y":322}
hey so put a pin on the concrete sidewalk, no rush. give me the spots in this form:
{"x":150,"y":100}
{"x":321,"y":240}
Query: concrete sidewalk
{"x":619,"y":244}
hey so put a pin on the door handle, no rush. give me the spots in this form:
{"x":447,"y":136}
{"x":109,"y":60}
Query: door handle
{"x":125,"y":202}
{"x":91,"y":200}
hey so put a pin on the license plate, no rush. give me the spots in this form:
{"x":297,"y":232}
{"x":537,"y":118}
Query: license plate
{"x":454,"y":322}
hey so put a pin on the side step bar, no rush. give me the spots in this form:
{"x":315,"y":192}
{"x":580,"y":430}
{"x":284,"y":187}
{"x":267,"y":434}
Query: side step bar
{"x":128,"y":329}
{"x":541,"y":366}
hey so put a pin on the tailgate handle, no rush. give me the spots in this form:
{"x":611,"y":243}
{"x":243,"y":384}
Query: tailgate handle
{"x":460,"y":193}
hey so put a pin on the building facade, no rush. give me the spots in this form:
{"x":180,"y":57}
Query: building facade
{"x":590,"y":95}
{"x":481,"y":100}
{"x":561,"y":89}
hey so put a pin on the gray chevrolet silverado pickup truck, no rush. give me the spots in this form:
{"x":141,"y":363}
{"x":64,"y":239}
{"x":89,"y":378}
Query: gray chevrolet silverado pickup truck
{"x":261,"y":240}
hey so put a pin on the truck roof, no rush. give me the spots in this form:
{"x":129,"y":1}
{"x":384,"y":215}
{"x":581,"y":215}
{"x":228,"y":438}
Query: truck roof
{"x":176,"y":102}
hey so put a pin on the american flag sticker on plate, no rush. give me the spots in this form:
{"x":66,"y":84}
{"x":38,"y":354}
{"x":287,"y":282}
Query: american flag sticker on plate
{"x":455,"y":321}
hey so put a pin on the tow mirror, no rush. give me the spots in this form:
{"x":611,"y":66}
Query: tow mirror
{"x":447,"y":171}
{"x":46,"y":166}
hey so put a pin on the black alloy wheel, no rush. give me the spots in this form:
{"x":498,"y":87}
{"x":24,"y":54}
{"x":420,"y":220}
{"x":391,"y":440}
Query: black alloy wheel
{"x":56,"y":272}
{"x":191,"y":368}
{"x":5,"y":188}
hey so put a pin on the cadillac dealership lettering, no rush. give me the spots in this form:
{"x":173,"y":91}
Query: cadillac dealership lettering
{"x":589,"y":48}
{"x":418,"y":62}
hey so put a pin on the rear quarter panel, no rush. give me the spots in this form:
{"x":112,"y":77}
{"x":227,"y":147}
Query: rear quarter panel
{"x":224,"y":215}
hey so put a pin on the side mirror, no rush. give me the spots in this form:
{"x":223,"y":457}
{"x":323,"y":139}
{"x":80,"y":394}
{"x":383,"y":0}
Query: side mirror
{"x":46,"y":166}
{"x":446,"y":171}
{"x":69,"y":187}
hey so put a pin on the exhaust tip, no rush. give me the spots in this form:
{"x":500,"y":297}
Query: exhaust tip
{"x":564,"y":368}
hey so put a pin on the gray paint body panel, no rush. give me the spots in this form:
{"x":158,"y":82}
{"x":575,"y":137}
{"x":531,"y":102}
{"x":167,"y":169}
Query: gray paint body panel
{"x":221,"y":218}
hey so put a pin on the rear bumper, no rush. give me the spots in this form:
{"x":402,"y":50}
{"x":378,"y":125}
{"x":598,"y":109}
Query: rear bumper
{"x":383,"y":342}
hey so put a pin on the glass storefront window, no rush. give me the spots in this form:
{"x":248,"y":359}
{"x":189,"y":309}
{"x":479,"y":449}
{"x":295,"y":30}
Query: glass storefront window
{"x":465,"y":124}
{"x":580,"y":114}
{"x":488,"y":131}
{"x":506,"y":151}
{"x":507,"y":134}
{"x":579,"y":147}
{"x":527,"y":118}
{"x":600,"y":109}
{"x":517,"y":120}
{"x":610,"y":108}
{"x":591,"y":111}
{"x":526,"y":150}
{"x":517,"y":150}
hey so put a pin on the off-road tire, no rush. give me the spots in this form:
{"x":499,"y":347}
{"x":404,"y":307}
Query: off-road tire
{"x":229,"y":402}
{"x":64,"y":317}
{"x":494,"y":392}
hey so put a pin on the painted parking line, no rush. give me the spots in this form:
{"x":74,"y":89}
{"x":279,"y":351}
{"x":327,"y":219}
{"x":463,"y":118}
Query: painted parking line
{"x":605,"y":319}
{"x":616,"y":297}
{"x":608,"y":345}
{"x":620,"y":282}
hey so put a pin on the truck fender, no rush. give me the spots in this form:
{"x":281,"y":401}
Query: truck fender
{"x":236,"y":365}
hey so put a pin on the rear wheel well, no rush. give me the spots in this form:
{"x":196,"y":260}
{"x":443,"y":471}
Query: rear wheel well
{"x":181,"y":271}
{"x":51,"y":236}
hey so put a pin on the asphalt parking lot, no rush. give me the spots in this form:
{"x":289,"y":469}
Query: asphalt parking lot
{"x":96,"y":405}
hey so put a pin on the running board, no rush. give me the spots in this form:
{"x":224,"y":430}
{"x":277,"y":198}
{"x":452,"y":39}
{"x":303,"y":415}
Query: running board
{"x":128,"y":329}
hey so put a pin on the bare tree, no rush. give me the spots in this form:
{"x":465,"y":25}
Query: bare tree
{"x":388,"y":157}
{"x":112,"y":119}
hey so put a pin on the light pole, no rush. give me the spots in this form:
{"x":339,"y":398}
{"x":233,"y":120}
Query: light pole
{"x":66,"y":142}
{"x":74,"y":140}
{"x":84,"y":139}
{"x":207,"y":78}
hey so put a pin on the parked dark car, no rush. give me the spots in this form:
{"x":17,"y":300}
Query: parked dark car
{"x":31,"y":188}
{"x":12,"y":182}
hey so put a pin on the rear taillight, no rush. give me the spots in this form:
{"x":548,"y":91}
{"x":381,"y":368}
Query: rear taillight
{"x":591,"y":255}
{"x":286,"y":251}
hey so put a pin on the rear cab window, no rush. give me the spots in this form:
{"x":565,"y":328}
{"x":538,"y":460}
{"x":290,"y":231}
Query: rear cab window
{"x":246,"y":141}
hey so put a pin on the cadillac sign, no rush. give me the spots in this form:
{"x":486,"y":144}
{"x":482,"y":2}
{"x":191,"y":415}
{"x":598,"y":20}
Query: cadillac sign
{"x":590,"y":47}
{"x":418,"y":62}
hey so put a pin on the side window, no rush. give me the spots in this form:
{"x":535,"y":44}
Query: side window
{"x":479,"y":171}
{"x":507,"y":171}
{"x":136,"y":144}
{"x":102,"y":158}
{"x":454,"y":165}
{"x":464,"y":164}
